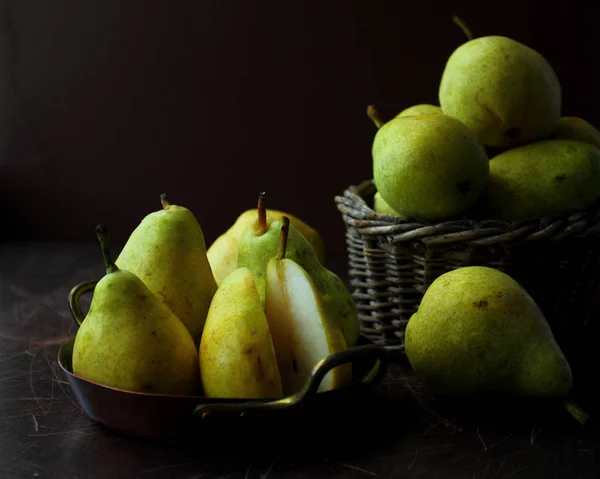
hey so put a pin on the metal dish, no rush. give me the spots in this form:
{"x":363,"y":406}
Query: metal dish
{"x":163,"y":416}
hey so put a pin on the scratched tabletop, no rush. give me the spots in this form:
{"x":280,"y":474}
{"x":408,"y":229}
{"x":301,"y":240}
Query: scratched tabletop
{"x":397,"y":430}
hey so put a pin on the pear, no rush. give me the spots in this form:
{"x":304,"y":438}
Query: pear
{"x":477,"y":330}
{"x":237,"y":356}
{"x":381,"y":206}
{"x":421,"y":109}
{"x":504,"y":91}
{"x":429,"y":166}
{"x":302,"y":333}
{"x":167,"y":252}
{"x":130,"y":340}
{"x":542,"y":178}
{"x":223,"y":252}
{"x":575,"y":128}
{"x":256,"y":250}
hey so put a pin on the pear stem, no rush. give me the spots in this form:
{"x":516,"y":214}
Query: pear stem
{"x":164,"y":201}
{"x":283,"y":237}
{"x":102,"y":234}
{"x":261,"y":226}
{"x":373,"y":114}
{"x":463,"y":26}
{"x":579,"y":414}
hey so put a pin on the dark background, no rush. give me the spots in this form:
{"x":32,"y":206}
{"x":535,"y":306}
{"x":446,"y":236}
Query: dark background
{"x":105,"y":104}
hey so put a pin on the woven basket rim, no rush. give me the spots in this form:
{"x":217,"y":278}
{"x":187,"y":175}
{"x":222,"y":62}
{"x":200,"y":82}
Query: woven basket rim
{"x":357,"y":213}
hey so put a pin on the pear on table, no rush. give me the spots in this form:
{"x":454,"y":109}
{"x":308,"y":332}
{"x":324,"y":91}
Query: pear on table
{"x":168,"y":253}
{"x":223,"y":252}
{"x":259,"y":246}
{"x":237,"y":356}
{"x":477,"y":330}
{"x":302,"y":333}
{"x":130,"y":340}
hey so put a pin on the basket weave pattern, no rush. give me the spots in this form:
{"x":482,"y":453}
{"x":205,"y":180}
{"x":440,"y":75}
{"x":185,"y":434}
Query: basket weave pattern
{"x":393,"y":260}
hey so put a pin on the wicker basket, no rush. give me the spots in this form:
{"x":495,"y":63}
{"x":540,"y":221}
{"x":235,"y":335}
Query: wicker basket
{"x":392,"y":261}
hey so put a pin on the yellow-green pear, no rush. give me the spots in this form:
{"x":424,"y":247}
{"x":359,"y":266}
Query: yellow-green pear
{"x":237,"y":357}
{"x":542,"y":178}
{"x":575,"y":128}
{"x":478,"y":331}
{"x":504,"y":91}
{"x":381,"y":206}
{"x":429,"y":167}
{"x":167,"y":252}
{"x":130,"y":340}
{"x":223,"y":252}
{"x":421,"y":109}
{"x":302,"y":333}
{"x":256,"y":250}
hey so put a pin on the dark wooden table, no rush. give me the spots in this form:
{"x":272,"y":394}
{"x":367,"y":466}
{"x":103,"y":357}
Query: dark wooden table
{"x":396,"y":431}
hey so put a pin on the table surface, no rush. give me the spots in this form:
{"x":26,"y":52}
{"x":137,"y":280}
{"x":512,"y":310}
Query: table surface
{"x":399,"y":431}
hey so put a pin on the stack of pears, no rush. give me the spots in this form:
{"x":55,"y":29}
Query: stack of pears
{"x":161,"y":323}
{"x":496,"y":146}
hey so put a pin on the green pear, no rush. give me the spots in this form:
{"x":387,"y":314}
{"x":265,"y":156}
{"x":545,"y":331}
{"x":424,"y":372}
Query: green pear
{"x":421,"y":109}
{"x":237,"y":356}
{"x":477,"y":330}
{"x":505,"y":92}
{"x":168,"y":253}
{"x":542,"y":178}
{"x":575,"y":128}
{"x":429,"y":167}
{"x":303,"y":335}
{"x":130,"y":340}
{"x":380,"y":205}
{"x":256,"y":250}
{"x":223,"y":252}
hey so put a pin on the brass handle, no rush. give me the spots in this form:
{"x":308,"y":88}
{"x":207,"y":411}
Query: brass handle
{"x":75,"y":295}
{"x":350,"y":355}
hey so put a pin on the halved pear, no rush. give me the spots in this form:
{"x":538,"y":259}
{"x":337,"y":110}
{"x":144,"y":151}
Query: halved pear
{"x":302,"y":334}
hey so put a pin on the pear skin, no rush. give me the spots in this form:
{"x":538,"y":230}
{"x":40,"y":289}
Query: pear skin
{"x":421,"y":109}
{"x":429,"y":167}
{"x":477,"y":330}
{"x":256,"y":250}
{"x":504,"y":91}
{"x":575,"y":128}
{"x":543,"y":178}
{"x":223,"y":252}
{"x":380,"y":205}
{"x":130,"y":340}
{"x":237,"y":356}
{"x":167,"y":252}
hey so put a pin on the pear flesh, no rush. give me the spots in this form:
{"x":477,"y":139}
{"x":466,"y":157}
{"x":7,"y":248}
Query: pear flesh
{"x":256,"y":251}
{"x":543,"y":178}
{"x":429,"y":167}
{"x":237,"y":357}
{"x":504,"y":91}
{"x":167,"y":252}
{"x":302,"y":334}
{"x":130,"y":340}
{"x":477,"y":330}
{"x":223,"y":252}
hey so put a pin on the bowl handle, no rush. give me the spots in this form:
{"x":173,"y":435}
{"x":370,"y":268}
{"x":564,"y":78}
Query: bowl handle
{"x":75,"y":295}
{"x":378,"y":352}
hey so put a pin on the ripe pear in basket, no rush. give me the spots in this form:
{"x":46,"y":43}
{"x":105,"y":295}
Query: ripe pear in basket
{"x":134,"y":366}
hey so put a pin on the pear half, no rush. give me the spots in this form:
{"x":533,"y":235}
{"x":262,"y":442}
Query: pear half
{"x":301,"y":332}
